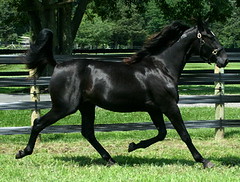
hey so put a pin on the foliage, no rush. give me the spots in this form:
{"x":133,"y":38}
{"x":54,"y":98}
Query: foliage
{"x":229,"y":32}
{"x":113,"y":9}
{"x":214,"y":10}
{"x":127,"y":30}
{"x":121,"y":22}
{"x":94,"y":32}
{"x":129,"y":17}
{"x":154,"y":19}
{"x":12,"y":22}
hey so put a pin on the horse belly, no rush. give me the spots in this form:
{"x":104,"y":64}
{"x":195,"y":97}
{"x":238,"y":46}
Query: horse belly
{"x":121,"y":108}
{"x":118,"y":102}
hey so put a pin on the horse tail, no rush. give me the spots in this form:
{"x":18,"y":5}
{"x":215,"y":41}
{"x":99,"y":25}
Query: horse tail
{"x":41,"y":52}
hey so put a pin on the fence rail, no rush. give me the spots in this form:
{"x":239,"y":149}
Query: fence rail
{"x":119,"y":127}
{"x":197,"y":78}
{"x":188,"y":77}
{"x":204,"y":99}
{"x":19,"y":59}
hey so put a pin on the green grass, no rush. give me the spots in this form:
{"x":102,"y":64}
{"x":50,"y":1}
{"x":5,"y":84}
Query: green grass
{"x":69,"y":157}
{"x":205,"y":66}
{"x":164,"y":161}
{"x":22,"y":117}
{"x":76,"y":160}
{"x":13,"y":67}
{"x":229,"y":89}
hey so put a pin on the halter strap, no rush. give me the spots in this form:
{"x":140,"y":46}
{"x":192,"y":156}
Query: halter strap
{"x":202,"y":43}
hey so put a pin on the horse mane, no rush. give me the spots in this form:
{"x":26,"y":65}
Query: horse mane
{"x":159,"y":42}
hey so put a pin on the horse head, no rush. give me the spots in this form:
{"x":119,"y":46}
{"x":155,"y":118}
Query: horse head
{"x":210,"y":49}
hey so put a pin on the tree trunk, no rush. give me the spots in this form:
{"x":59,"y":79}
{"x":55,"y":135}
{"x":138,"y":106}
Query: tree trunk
{"x":62,"y":17}
{"x":64,"y":30}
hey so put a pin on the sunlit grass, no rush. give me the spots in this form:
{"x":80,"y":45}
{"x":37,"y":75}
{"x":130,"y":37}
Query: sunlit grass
{"x":69,"y":157}
{"x":22,"y":117}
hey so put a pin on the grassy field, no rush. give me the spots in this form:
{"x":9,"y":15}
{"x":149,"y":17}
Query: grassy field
{"x":58,"y":160}
{"x":69,"y":157}
{"x":22,"y":118}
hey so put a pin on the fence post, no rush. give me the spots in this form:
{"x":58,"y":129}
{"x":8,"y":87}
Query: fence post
{"x":35,"y":97}
{"x":219,"y":107}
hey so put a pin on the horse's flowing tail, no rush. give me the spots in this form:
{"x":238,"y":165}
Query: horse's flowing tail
{"x":41,"y":52}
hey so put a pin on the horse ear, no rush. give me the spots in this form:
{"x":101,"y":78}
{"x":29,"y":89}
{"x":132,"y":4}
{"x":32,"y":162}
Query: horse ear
{"x":200,"y":25}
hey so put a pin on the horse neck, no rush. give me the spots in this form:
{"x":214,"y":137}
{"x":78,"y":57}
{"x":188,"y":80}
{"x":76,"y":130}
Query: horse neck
{"x":175,"y":57}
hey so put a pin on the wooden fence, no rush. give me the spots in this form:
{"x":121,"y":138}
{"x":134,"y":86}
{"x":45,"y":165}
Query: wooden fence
{"x":189,"y":77}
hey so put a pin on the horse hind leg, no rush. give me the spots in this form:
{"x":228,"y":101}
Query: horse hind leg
{"x":65,"y":97}
{"x":39,"y":124}
{"x":88,"y":117}
{"x":157,"y":118}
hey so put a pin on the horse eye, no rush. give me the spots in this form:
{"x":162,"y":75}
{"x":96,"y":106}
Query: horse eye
{"x":215,"y":51}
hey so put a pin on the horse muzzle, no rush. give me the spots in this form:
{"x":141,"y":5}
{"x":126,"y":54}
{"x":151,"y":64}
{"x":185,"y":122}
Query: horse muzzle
{"x":221,"y":63}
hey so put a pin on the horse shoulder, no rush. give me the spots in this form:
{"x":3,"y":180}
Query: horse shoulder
{"x":162,"y":85}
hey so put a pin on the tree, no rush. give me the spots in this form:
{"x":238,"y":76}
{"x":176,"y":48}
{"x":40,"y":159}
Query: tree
{"x":154,"y":19}
{"x":129,"y":29}
{"x":12,"y":22}
{"x":229,"y":32}
{"x":63,"y":17}
{"x":94,"y":32}
{"x":238,"y":3}
{"x":214,"y":10}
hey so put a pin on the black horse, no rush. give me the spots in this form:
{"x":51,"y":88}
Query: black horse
{"x":148,"y":81}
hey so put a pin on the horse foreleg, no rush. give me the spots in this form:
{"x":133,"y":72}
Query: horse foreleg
{"x":175,"y":117}
{"x":157,"y":118}
{"x":88,"y":117}
{"x":39,"y":124}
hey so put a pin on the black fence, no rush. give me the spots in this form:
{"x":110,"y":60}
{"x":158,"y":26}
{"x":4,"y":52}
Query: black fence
{"x":188,"y":77}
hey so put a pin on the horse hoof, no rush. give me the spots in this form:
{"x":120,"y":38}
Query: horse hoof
{"x":131,"y":147}
{"x":20,"y":154}
{"x":111,"y":162}
{"x":208,"y":164}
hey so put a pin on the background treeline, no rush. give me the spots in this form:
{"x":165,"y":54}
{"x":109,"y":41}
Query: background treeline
{"x":131,"y":28}
{"x":121,"y":23}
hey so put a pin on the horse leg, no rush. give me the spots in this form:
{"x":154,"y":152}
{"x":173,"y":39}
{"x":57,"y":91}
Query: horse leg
{"x":88,"y":117}
{"x":157,"y":118}
{"x":174,"y":115}
{"x":39,"y":124}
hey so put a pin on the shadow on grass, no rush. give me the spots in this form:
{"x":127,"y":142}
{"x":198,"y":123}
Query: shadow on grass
{"x":126,"y":161}
{"x":231,"y":134}
{"x":229,"y":161}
